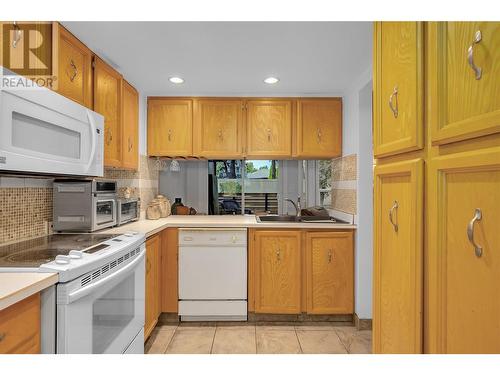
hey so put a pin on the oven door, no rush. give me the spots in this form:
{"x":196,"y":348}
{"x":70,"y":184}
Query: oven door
{"x":105,"y":212}
{"x":129,"y":211}
{"x":105,"y":316}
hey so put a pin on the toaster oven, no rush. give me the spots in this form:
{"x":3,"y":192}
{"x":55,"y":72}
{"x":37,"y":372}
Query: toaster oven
{"x":128,"y":210}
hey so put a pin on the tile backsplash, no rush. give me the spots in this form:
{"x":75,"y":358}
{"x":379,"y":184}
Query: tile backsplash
{"x":26,"y":203}
{"x":344,"y":184}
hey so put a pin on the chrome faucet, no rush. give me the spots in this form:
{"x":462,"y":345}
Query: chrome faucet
{"x":295,"y":205}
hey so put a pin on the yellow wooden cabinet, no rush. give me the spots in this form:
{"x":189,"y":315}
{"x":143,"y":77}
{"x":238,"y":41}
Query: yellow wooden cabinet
{"x":398,"y":87}
{"x":170,"y":127}
{"x":398,"y":252}
{"x":319,"y":128}
{"x":74,"y":76}
{"x":20,"y":327}
{"x":329,"y":272}
{"x":169,"y":270}
{"x":464,"y":75}
{"x":152,"y":303}
{"x":218,"y":128}
{"x":277,"y":271}
{"x":464,"y":259}
{"x":130,"y":136}
{"x":108,"y":101}
{"x":269,"y":128}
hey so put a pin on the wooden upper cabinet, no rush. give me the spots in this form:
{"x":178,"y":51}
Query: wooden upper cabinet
{"x":107,"y":102}
{"x":153,"y":296}
{"x":398,"y":88}
{"x":20,"y":327}
{"x":130,"y":138}
{"x":218,"y":128}
{"x":319,"y":128}
{"x":464,"y":75}
{"x":329,"y":273}
{"x":277,"y":272}
{"x":269,"y":128}
{"x":398,"y":252}
{"x":74,"y":78}
{"x":170,"y":127}
{"x":464,"y":258}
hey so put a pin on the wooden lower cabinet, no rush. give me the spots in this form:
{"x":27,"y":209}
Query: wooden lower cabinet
{"x":398,"y":257}
{"x":20,"y":327}
{"x":464,"y":259}
{"x":153,"y":286}
{"x":277,"y":271}
{"x":295,"y":271}
{"x":329,"y":272}
{"x":169,"y":270}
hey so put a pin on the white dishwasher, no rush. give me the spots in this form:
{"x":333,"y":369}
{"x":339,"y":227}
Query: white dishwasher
{"x":213,"y":274}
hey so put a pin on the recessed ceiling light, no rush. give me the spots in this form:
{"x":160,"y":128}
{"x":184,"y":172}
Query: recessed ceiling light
{"x":271,"y":80}
{"x":176,"y":80}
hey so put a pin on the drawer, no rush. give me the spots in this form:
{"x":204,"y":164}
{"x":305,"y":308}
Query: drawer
{"x":212,"y":237}
{"x":20,"y":327}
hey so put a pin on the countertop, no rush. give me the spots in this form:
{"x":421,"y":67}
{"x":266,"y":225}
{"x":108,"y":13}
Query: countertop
{"x":16,"y":286}
{"x":151,"y":227}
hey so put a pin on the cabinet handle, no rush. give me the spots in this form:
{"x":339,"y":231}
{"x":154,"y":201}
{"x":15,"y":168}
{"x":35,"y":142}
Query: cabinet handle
{"x":394,"y":98}
{"x":169,"y":135}
{"x":75,"y":70}
{"x":2,"y":336}
{"x":318,"y":134}
{"x":394,"y":207}
{"x":278,"y":255}
{"x":470,"y":232}
{"x":129,"y":144}
{"x":17,"y":35}
{"x":221,"y":136}
{"x":470,"y":55}
{"x":269,"y":134}
{"x":330,"y":256}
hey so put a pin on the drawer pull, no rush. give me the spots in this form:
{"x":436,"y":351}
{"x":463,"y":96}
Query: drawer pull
{"x":470,"y":55}
{"x":391,"y":219}
{"x":278,"y":255}
{"x":269,"y":134}
{"x":394,"y":98}
{"x":470,"y":232}
{"x":318,"y":135}
{"x":2,"y":336}
{"x":330,"y":256}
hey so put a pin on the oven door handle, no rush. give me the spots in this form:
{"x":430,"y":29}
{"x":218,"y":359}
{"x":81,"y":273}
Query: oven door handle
{"x":117,"y":276}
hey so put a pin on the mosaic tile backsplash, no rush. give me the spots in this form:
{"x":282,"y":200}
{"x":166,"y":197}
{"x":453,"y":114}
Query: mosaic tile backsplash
{"x":344,"y":184}
{"x":26,"y":203}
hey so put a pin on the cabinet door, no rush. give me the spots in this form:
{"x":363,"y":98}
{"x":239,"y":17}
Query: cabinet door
{"x":277,"y":272}
{"x":397,"y":88}
{"x":464,"y":73}
{"x":269,"y":128}
{"x":74,"y":79}
{"x":107,"y":102}
{"x":319,"y":128}
{"x":218,"y":128}
{"x":130,"y":139}
{"x":330,"y":273}
{"x":397,"y":300}
{"x":152,"y":308}
{"x":170,"y":127}
{"x":20,"y":327}
{"x":169,"y":270}
{"x":464,"y":253}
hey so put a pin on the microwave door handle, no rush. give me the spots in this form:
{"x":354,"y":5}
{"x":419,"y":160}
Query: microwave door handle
{"x":94,"y":140}
{"x":118,"y":275}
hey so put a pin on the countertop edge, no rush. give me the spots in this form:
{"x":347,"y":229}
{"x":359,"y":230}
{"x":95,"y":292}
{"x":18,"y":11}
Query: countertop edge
{"x":28,"y":289}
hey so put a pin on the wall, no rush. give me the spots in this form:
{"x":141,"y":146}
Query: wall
{"x":357,"y":140}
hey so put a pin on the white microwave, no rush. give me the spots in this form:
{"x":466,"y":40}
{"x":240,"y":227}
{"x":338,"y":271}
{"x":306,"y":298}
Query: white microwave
{"x":43,"y":132}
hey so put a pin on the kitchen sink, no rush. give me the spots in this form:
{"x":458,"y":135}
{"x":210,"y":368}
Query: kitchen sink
{"x":298,"y":219}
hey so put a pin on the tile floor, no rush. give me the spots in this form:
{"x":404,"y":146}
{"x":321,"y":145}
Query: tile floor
{"x":250,"y":338}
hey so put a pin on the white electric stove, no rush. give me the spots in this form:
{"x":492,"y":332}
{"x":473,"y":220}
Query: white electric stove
{"x":98,"y":304}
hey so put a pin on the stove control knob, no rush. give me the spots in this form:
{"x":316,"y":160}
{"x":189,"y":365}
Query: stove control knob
{"x":63,"y":259}
{"x":76,"y":254}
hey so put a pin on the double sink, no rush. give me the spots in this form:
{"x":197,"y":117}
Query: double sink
{"x":298,"y":219}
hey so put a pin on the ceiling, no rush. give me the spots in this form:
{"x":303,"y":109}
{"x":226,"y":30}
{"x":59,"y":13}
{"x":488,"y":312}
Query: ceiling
{"x":233,"y":58}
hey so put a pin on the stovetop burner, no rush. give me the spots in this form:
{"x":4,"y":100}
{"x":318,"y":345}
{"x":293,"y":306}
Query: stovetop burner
{"x":38,"y":251}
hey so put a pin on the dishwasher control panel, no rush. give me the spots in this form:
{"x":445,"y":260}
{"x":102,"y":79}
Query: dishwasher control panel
{"x":210,"y":236}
